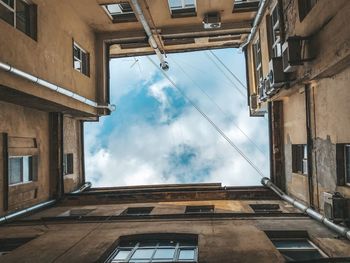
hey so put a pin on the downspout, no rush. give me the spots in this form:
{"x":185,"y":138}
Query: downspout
{"x":26,"y":211}
{"x":151,"y":40}
{"x":309,"y":145}
{"x":54,"y":87}
{"x":257,"y":20}
{"x":343,"y":231}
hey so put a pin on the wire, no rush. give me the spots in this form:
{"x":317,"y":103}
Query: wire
{"x":209,"y":120}
{"x":223,"y":64}
{"x":223,"y":72}
{"x":212,"y":100}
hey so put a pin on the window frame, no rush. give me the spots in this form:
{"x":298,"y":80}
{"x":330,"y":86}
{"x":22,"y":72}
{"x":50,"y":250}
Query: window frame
{"x":190,"y":209}
{"x":299,"y":159}
{"x":30,"y":19}
{"x":87,"y":56}
{"x":347,"y":165}
{"x":304,"y":8}
{"x":135,"y":243}
{"x":32,"y":169}
{"x":266,"y":208}
{"x":120,"y":17}
{"x":12,"y":244}
{"x":257,"y":59}
{"x":275,"y":43}
{"x":148,"y":210}
{"x":183,"y":11}
{"x":68,"y":163}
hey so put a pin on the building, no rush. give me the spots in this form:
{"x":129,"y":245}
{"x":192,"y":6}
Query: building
{"x":54,"y":72}
{"x":298,"y":71}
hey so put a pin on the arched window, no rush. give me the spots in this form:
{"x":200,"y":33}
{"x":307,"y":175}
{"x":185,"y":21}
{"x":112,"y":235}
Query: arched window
{"x":155,"y":248}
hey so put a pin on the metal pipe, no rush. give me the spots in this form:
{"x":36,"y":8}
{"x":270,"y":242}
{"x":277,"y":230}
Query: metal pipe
{"x":82,"y":188}
{"x":7,"y":218}
{"x":343,"y":231}
{"x":51,"y":86}
{"x":257,"y":20}
{"x":151,"y":40}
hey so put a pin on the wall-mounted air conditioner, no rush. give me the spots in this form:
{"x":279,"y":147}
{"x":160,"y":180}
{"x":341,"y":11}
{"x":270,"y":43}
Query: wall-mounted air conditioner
{"x":277,"y":77}
{"x":295,"y":51}
{"x":212,"y":21}
{"x":337,"y":208}
{"x":262,"y":91}
{"x":254,"y":101}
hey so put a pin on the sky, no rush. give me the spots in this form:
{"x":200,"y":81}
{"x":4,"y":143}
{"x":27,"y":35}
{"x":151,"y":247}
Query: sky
{"x":156,"y":136}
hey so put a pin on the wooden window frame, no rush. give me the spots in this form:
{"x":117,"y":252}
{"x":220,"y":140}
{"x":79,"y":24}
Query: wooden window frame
{"x":342,"y":166}
{"x":68,"y":163}
{"x":299,"y":159}
{"x":32,"y":169}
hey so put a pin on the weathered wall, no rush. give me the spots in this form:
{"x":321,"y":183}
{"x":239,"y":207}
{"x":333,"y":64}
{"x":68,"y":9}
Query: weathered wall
{"x":72,"y":144}
{"x":20,"y":122}
{"x":50,"y":57}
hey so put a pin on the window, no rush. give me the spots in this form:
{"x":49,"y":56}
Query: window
{"x":9,"y":244}
{"x":153,"y":249}
{"x":121,"y":12}
{"x":22,"y":169}
{"x":299,"y":158}
{"x":343,"y":163}
{"x":182,"y":8}
{"x":275,"y":33}
{"x":199,"y":209}
{"x":77,"y":212}
{"x":305,"y":7}
{"x":68,"y":163}
{"x":19,"y":14}
{"x":137,"y":211}
{"x":257,"y":63}
{"x":266,"y":208}
{"x":81,"y":61}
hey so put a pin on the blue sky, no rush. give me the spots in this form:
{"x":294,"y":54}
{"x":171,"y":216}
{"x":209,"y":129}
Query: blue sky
{"x":156,"y":136}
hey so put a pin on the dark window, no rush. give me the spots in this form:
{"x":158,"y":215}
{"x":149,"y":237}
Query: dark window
{"x":22,"y":169}
{"x":266,"y":208}
{"x":9,"y":244}
{"x":182,"y":8}
{"x":153,"y":249}
{"x":299,"y":158}
{"x":19,"y":14}
{"x":137,"y":211}
{"x":257,"y":63}
{"x":68,"y":163}
{"x":275,"y":33}
{"x":121,"y":12}
{"x":305,"y":7}
{"x":343,"y":163}
{"x":199,"y":209}
{"x":295,"y":245}
{"x":81,"y":60}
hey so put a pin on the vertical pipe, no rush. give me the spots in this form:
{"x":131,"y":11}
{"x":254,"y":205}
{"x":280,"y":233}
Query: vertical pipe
{"x":309,"y":145}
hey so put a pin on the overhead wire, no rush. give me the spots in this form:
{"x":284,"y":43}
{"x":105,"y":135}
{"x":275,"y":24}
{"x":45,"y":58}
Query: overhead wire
{"x":222,"y":133}
{"x":219,"y":108}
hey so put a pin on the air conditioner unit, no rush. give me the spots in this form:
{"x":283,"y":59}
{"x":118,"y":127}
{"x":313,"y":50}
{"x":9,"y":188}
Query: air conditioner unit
{"x":277,"y":77}
{"x":337,"y":208}
{"x":254,"y":101}
{"x":212,"y":21}
{"x":291,"y":54}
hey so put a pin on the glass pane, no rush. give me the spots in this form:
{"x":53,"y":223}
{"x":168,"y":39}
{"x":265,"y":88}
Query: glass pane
{"x":189,"y":3}
{"x":8,"y":2}
{"x":114,"y":9}
{"x":15,"y":170}
{"x":347,"y":164}
{"x":125,"y":7}
{"x":26,"y":168}
{"x":76,"y":52}
{"x":77,"y":64}
{"x":186,"y":254}
{"x":122,"y":254}
{"x":143,"y":253}
{"x":301,"y":243}
{"x":22,"y":17}
{"x":85,"y":63}
{"x":301,"y":255}
{"x":6,"y":15}
{"x":174,"y":4}
{"x":164,"y":253}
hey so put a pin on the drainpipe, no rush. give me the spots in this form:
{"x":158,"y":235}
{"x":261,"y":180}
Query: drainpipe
{"x":343,"y":231}
{"x":151,"y":40}
{"x":82,"y":188}
{"x":26,"y":211}
{"x":259,"y":15}
{"x":53,"y":87}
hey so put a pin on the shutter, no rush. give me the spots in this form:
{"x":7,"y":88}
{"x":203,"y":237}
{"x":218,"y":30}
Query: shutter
{"x":340,"y":164}
{"x":70,"y":168}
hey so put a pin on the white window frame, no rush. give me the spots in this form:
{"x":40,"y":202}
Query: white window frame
{"x":183,"y":6}
{"x":13,"y":10}
{"x":104,"y":7}
{"x":23,"y":169}
{"x":81,"y":50}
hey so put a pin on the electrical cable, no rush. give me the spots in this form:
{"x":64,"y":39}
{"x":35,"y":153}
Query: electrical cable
{"x":220,"y":109}
{"x":209,"y":120}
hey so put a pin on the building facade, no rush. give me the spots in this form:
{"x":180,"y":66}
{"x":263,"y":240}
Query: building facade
{"x":298,"y":71}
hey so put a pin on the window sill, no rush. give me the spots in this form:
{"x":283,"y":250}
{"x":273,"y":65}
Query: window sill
{"x":183,"y":14}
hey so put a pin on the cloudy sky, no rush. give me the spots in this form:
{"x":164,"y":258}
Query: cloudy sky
{"x":156,"y":136}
